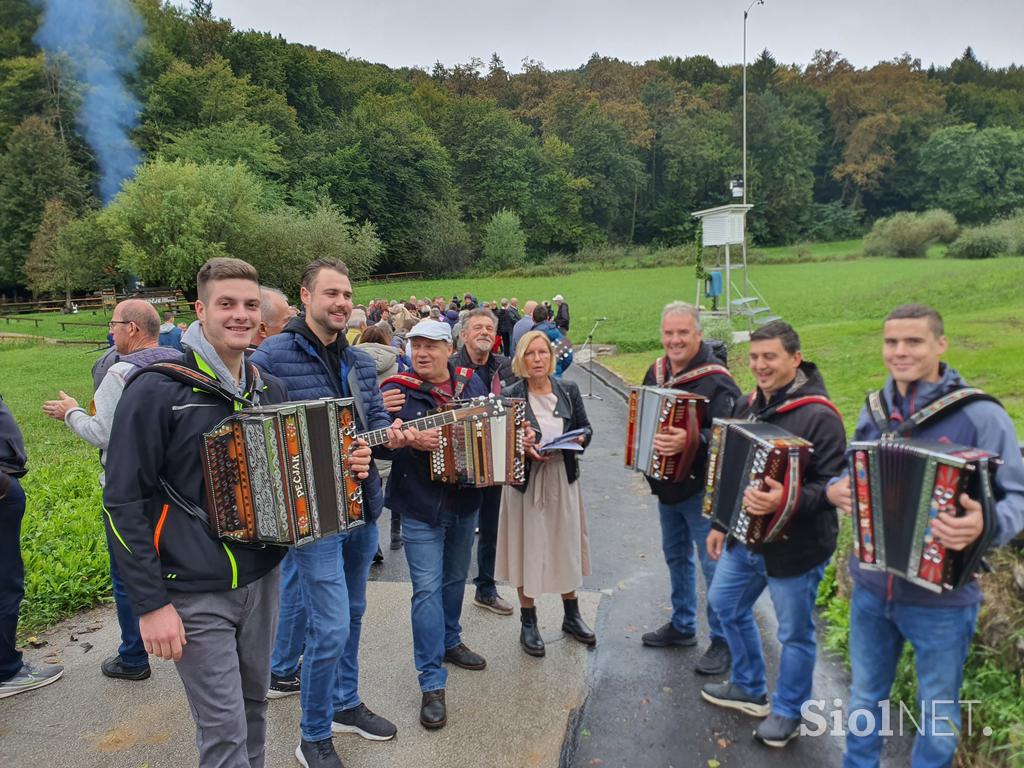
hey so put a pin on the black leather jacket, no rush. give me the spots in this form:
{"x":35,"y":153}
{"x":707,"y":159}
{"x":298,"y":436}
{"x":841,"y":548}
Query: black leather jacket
{"x":569,"y":406}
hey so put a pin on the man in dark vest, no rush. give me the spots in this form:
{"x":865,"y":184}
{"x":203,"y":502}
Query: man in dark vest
{"x":478,"y":334}
{"x":135,"y":327}
{"x":689,"y":364}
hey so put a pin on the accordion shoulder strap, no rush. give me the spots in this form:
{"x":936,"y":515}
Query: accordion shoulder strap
{"x":200,"y":381}
{"x":939,"y":407}
{"x":792,"y":405}
{"x":462,"y":377}
{"x":663,"y":379}
{"x":945,"y":405}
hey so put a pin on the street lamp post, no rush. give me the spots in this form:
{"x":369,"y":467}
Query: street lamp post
{"x":745,"y":14}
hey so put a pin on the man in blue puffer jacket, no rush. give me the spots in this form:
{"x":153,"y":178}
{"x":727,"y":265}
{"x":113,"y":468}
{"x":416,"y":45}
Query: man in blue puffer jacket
{"x":323,"y":584}
{"x":886,"y":610}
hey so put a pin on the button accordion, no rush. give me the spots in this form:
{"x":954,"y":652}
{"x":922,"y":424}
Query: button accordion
{"x":898,"y":487}
{"x":482,"y":451}
{"x":279,"y":474}
{"x":744,"y":454}
{"x":652,"y":410}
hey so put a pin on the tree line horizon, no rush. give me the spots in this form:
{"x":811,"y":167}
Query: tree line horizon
{"x":275,"y":151}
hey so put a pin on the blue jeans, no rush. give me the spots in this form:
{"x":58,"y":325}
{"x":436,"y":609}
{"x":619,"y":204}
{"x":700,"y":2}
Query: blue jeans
{"x":323,"y":598}
{"x":940,"y":637}
{"x":739,"y":581}
{"x":12,"y":578}
{"x":438,"y":558}
{"x":683,"y":527}
{"x":132,"y":650}
{"x":487,"y":542}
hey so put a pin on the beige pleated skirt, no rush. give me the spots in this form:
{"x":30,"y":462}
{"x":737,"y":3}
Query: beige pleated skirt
{"x":542,"y":533}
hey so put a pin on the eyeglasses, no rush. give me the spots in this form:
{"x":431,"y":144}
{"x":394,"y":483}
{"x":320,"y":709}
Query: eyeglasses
{"x":112,"y":323}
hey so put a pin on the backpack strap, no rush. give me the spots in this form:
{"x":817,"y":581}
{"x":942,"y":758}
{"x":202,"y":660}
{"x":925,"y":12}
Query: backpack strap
{"x":408,"y":381}
{"x":944,"y":406}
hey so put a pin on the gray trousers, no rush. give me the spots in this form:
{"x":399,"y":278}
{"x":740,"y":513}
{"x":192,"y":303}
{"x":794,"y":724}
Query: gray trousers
{"x":225,"y":667}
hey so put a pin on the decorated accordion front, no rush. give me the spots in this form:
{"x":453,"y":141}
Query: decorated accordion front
{"x":653,"y":410}
{"x":279,"y":474}
{"x":744,"y":454}
{"x":482,"y":450}
{"x":898,"y":486}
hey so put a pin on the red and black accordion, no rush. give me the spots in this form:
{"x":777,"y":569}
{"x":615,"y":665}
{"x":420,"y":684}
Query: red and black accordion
{"x":898,"y":486}
{"x":653,"y":410}
{"x":279,"y":474}
{"x":482,"y":450}
{"x":744,"y":454}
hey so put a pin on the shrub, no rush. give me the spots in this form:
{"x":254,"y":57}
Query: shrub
{"x":834,"y":221}
{"x":980,"y":243}
{"x":908,"y":235}
{"x":504,"y":242}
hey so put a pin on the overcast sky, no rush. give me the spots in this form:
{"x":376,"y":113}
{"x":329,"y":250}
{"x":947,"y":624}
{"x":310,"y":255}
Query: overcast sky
{"x":564,"y":33}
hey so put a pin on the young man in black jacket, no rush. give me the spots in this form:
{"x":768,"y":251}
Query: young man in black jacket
{"x":689,"y":364}
{"x":790,"y":393}
{"x":206,"y":604}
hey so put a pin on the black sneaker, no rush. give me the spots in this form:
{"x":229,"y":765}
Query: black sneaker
{"x":379,"y":557}
{"x":716,"y":659}
{"x":461,"y":656}
{"x":668,"y":635}
{"x":317,"y":754}
{"x":114,"y":667}
{"x":283,"y":686}
{"x":29,"y":677}
{"x":777,"y":731}
{"x":732,"y":696}
{"x":364,"y":722}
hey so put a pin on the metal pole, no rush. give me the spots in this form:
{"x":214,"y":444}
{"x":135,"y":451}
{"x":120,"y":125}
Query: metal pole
{"x":745,"y":14}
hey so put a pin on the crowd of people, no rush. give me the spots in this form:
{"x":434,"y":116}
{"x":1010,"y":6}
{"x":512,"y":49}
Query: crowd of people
{"x":245,"y":624}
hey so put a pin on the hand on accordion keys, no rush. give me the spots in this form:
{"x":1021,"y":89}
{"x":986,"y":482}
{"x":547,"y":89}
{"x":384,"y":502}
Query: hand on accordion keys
{"x":670,"y":442}
{"x":957,"y":532}
{"x":424,"y":439}
{"x":759,"y":503}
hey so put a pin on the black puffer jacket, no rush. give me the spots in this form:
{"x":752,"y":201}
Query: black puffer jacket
{"x":12,"y":449}
{"x":162,"y":548}
{"x":496,"y":373}
{"x":722,"y":393}
{"x":811,"y":537}
{"x":569,"y":407}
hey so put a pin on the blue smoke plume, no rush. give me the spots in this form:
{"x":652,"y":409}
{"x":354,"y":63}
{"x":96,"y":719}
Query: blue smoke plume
{"x":99,"y":39}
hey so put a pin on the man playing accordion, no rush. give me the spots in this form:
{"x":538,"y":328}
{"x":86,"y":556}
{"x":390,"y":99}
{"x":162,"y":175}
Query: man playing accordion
{"x":886,"y":610}
{"x":790,"y":394}
{"x":689,"y":364}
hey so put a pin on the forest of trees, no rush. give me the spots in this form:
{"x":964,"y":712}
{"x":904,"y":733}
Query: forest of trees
{"x":269,"y":150}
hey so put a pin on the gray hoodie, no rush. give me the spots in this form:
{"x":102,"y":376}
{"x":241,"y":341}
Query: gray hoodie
{"x":385,"y":358}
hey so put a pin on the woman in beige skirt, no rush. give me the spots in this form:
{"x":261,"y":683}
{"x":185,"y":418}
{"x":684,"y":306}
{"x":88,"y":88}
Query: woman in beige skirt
{"x":542,"y":530}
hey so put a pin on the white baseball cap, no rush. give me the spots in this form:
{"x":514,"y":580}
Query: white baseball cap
{"x":558,"y":297}
{"x":431,"y":329}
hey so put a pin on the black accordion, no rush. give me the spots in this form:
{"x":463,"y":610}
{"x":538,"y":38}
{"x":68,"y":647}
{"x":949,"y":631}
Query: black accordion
{"x":279,"y":474}
{"x":482,"y":450}
{"x":898,"y":486}
{"x":743,"y":454}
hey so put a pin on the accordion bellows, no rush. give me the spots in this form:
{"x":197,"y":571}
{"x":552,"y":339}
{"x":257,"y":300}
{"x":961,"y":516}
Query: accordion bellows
{"x":482,"y":451}
{"x":653,"y":410}
{"x":744,"y":454}
{"x":279,"y":474}
{"x":898,"y":487}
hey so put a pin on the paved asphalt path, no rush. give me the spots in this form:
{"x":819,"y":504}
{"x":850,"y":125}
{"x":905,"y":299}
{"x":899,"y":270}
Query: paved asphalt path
{"x":644,"y":707}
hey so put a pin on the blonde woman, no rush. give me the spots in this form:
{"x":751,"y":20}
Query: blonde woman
{"x":542,"y":529}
